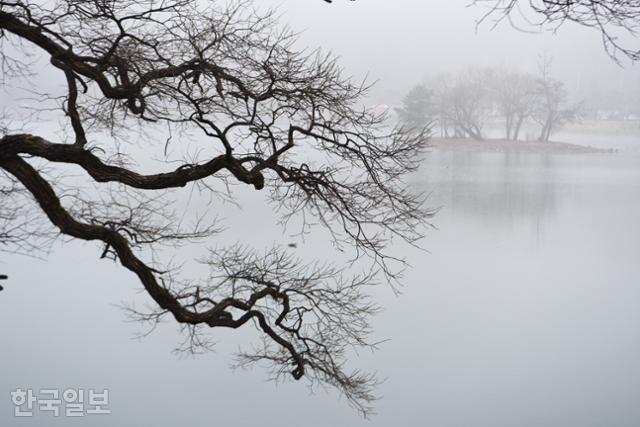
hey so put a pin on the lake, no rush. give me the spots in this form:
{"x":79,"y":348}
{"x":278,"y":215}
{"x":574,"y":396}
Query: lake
{"x":525,"y":311}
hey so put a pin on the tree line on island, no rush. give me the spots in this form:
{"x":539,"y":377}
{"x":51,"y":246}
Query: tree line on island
{"x":464,"y":104}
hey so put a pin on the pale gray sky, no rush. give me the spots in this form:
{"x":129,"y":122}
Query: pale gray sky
{"x":400,"y":42}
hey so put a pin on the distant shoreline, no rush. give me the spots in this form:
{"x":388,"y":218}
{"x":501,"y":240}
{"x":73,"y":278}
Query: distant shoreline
{"x":605,"y":127}
{"x":503,"y":145}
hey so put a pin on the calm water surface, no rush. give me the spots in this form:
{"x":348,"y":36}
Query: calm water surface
{"x":526,"y":312}
{"x":528,"y":308}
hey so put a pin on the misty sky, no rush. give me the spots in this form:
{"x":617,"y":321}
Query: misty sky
{"x":401,"y":42}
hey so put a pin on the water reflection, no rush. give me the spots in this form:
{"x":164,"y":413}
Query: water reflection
{"x":528,"y":303}
{"x":497,"y":189}
{"x":504,"y":191}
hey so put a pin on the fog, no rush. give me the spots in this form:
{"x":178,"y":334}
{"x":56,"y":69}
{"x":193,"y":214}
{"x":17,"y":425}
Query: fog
{"x":521,"y":308}
{"x":399,"y":43}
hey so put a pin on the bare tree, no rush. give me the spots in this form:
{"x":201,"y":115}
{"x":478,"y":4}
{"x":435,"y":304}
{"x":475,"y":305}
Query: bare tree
{"x":515,"y":95}
{"x":551,"y":110}
{"x":617,"y":20}
{"x":141,"y":77}
{"x":463,"y":102}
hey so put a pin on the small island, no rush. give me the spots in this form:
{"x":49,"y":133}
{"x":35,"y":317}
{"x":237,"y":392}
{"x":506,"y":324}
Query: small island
{"x":505,"y":145}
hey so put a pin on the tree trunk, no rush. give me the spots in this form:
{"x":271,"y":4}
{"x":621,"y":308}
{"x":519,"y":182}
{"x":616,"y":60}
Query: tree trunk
{"x":516,"y":131}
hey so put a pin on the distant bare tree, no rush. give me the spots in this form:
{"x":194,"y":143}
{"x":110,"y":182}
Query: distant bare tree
{"x":551,"y":109}
{"x":617,"y":20}
{"x":515,"y":95}
{"x":141,"y":77}
{"x":464,"y":103}
{"x":441,"y":89}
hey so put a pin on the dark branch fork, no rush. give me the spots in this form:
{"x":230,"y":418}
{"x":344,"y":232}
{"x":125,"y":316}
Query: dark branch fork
{"x":217,"y":316}
{"x":262,"y":106}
